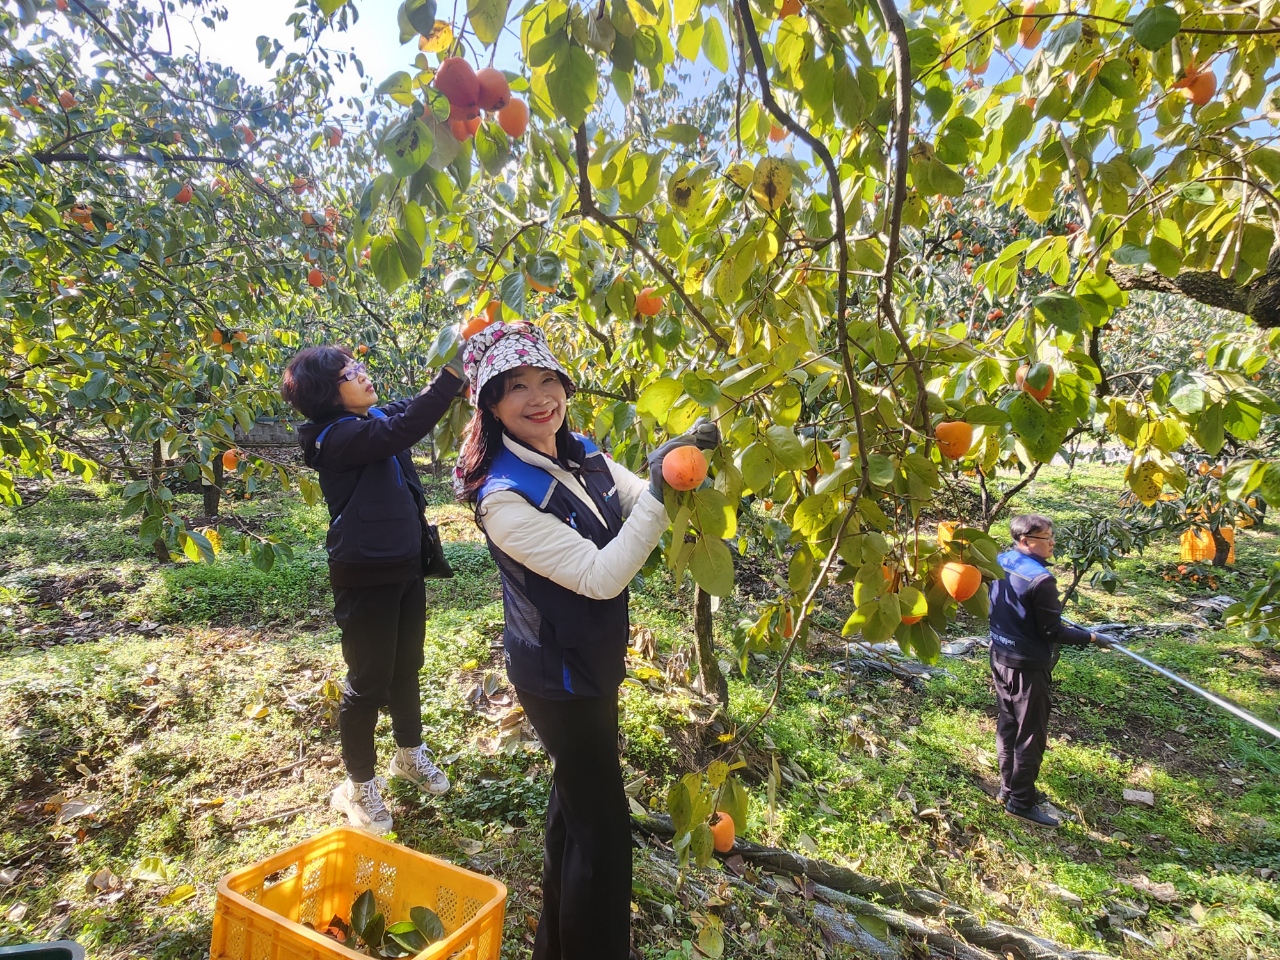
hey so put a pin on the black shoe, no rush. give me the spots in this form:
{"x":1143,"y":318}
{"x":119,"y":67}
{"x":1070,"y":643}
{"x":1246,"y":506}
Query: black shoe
{"x":1003,"y":797}
{"x":1035,"y":816}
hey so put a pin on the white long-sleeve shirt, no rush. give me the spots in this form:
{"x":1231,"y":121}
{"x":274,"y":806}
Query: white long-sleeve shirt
{"x":550,"y":547}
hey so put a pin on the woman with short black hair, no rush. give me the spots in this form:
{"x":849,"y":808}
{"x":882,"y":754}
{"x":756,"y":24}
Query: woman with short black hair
{"x":362,"y":453}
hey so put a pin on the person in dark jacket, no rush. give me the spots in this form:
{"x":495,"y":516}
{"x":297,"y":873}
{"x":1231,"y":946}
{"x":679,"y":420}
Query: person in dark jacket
{"x":362,"y":453}
{"x":569,"y":528}
{"x":1027,"y":631}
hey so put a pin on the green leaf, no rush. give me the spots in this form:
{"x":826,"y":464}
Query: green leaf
{"x":421,"y":15}
{"x":815,"y":514}
{"x":384,"y":255}
{"x":875,"y":926}
{"x":683,"y":133}
{"x":1028,"y":416}
{"x":487,"y":19}
{"x":1117,"y":77}
{"x":701,"y":845}
{"x":406,"y":936}
{"x":713,"y":45}
{"x":735,"y":801}
{"x":880,"y":469}
{"x":329,"y":7}
{"x":657,"y":399}
{"x":407,"y":146}
{"x":571,"y":84}
{"x":511,"y":288}
{"x":680,"y":807}
{"x":711,"y":566}
{"x":1156,"y":26}
{"x":427,"y":923}
{"x":1060,"y":310}
{"x":362,"y":913}
{"x":786,"y":448}
{"x":701,"y":389}
{"x":396,"y":85}
{"x":757,"y":465}
{"x":1197,"y":193}
{"x":912,"y":602}
{"x":714,"y":514}
{"x":493,"y":147}
{"x":986,"y":415}
{"x":711,"y":937}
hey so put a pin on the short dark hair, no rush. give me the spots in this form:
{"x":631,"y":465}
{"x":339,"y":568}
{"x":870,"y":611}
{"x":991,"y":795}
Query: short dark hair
{"x":1028,"y":523}
{"x":311,"y":383}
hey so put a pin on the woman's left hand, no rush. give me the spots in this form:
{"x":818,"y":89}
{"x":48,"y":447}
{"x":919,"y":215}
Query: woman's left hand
{"x":705,"y":435}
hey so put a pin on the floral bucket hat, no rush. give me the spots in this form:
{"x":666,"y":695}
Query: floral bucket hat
{"x":502,"y":346}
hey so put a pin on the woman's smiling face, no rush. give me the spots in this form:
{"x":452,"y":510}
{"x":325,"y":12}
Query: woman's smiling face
{"x":532,"y":408}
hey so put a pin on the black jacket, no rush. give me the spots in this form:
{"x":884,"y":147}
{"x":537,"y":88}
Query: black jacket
{"x":1026,"y":614}
{"x":373,"y":492}
{"x":559,"y":644}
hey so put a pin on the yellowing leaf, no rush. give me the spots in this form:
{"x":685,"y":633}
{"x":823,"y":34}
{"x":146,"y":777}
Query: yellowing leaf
{"x":771,"y":185}
{"x":740,"y":174}
{"x":256,"y":711}
{"x":439,"y":39}
{"x":179,"y":894}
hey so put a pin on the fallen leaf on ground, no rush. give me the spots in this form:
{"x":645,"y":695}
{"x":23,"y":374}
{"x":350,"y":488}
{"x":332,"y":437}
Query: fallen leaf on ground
{"x":75,"y":808}
{"x":178,"y":895}
{"x":102,"y":881}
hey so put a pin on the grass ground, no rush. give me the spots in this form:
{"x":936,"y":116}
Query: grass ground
{"x":151,"y":717}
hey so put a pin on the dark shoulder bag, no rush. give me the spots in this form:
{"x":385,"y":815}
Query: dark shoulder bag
{"x":434,"y":564}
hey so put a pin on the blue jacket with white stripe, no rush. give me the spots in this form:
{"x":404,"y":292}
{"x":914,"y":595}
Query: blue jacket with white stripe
{"x":1026,"y":614}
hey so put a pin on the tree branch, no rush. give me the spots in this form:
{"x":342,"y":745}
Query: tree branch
{"x":587,"y":203}
{"x":897,"y":31}
{"x":48,"y":157}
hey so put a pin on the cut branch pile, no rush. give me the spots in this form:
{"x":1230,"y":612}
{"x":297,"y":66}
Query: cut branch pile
{"x":850,"y":905}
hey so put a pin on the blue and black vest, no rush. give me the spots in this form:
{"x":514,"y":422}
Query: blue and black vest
{"x":559,"y":644}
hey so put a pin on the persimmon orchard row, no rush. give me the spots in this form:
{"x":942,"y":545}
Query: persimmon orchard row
{"x":885,"y":249}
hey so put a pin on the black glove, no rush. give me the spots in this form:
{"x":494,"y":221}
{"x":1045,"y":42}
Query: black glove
{"x":454,"y":365}
{"x":705,"y":435}
{"x":1103,"y":640}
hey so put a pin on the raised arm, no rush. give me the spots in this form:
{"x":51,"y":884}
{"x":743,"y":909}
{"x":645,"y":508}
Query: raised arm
{"x":349,"y":444}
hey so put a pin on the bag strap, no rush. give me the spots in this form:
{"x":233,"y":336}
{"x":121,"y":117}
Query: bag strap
{"x":321,"y":435}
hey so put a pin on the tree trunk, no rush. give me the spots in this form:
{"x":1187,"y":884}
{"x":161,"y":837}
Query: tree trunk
{"x":157,"y":463}
{"x":213,"y":491}
{"x":709,"y":676}
{"x":1221,"y":548}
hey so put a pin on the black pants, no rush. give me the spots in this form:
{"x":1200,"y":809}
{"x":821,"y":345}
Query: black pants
{"x":1023,"y":701}
{"x":382,"y":633}
{"x":586,"y":866}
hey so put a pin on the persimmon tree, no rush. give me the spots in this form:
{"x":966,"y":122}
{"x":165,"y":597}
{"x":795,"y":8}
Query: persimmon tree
{"x":167,"y":234}
{"x":796,"y":251}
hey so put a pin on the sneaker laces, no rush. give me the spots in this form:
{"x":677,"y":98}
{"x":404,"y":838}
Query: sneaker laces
{"x":370,"y":798}
{"x":422,"y":762}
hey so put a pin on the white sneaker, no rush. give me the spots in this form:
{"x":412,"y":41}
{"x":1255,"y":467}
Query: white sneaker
{"x":414,"y":764}
{"x":362,"y":803}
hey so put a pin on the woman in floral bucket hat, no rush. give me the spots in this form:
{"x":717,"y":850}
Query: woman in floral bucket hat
{"x":569,"y":528}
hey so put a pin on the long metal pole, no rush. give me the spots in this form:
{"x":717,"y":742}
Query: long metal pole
{"x":1227,"y":705}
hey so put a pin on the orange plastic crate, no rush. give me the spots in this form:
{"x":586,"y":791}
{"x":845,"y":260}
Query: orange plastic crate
{"x":1197,"y":546}
{"x":260,"y":909}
